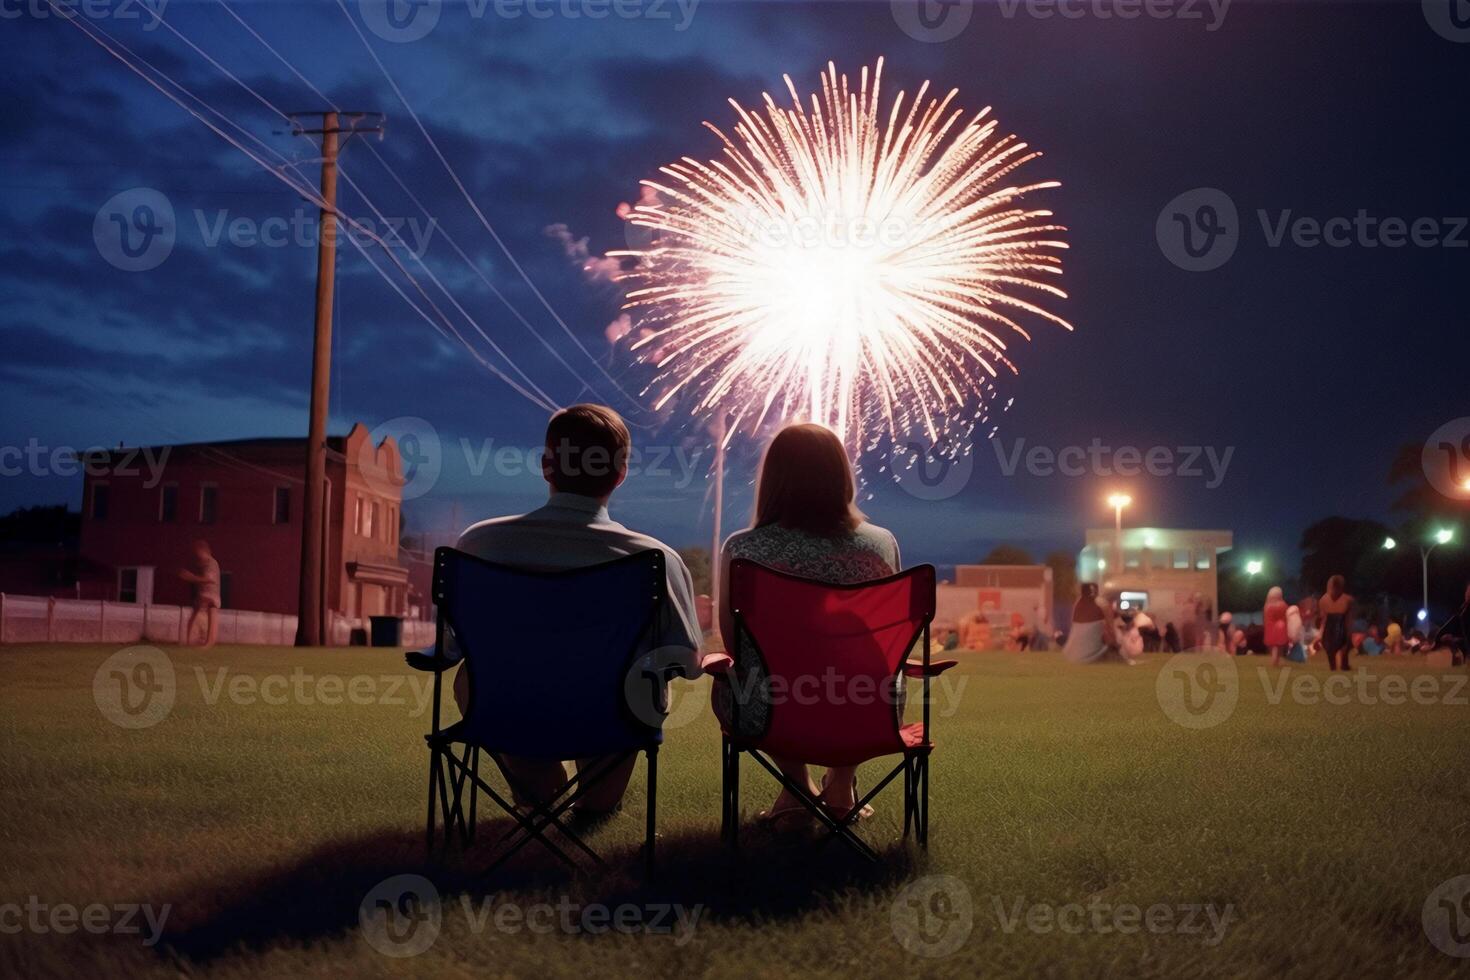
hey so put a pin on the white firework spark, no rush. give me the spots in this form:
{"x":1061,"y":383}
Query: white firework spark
{"x":841,"y":266}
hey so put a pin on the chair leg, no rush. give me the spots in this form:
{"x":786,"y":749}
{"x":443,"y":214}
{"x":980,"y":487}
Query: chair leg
{"x":924,"y":801}
{"x":429,"y":820}
{"x":474,"y":790}
{"x":650,"y":834}
{"x":732,"y":796}
{"x":908,"y":795}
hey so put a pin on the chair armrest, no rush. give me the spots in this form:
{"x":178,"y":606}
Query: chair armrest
{"x":936,"y":667}
{"x":718,"y":663}
{"x":428,"y":660}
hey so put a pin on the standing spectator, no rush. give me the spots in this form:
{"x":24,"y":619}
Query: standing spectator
{"x":1189,"y":613}
{"x":1455,"y":632}
{"x":1334,"y":614}
{"x":1092,"y":628}
{"x":205,"y":578}
{"x":1171,"y":638}
{"x":1274,"y":616}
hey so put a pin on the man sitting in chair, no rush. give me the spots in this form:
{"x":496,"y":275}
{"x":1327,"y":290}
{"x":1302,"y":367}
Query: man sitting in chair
{"x":585,"y":460}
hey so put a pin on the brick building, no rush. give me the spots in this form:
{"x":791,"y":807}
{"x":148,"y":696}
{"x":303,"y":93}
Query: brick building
{"x":245,"y":498}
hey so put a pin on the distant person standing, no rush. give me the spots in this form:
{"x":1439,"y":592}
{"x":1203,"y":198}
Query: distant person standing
{"x":1455,"y":633}
{"x":1189,"y":614}
{"x":1274,"y":616}
{"x":1334,"y":619}
{"x":205,"y":578}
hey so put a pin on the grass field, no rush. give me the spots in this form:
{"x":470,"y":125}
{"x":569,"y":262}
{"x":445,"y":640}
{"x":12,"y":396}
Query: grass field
{"x":1078,"y":830}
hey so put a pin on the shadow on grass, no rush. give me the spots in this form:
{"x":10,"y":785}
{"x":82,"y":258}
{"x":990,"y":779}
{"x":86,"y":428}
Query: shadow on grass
{"x":774,"y":875}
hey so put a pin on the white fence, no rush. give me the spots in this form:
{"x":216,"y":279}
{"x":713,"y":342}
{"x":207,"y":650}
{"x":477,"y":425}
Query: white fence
{"x":39,"y":619}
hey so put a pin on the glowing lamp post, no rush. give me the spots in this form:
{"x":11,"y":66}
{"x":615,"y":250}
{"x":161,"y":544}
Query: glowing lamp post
{"x":1442,"y":536}
{"x":1254,"y":567}
{"x":1117,"y":501}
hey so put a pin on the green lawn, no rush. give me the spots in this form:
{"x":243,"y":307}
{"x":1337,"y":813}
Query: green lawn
{"x":1314,"y":832}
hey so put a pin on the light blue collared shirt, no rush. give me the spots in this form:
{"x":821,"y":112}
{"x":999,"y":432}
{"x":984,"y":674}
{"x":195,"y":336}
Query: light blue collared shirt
{"x":573,"y":531}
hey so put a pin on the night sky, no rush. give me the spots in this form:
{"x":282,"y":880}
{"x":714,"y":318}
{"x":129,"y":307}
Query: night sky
{"x":1309,"y":365}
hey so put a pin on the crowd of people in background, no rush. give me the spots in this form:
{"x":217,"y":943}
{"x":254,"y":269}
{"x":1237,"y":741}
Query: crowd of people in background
{"x":1332,"y":625}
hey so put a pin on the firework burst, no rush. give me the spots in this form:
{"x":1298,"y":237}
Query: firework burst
{"x":842,"y":263}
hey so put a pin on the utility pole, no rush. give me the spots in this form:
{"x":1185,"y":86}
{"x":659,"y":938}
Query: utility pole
{"x":311,"y":603}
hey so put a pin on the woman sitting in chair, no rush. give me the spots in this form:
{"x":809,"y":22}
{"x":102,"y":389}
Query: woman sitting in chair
{"x":807,"y":525}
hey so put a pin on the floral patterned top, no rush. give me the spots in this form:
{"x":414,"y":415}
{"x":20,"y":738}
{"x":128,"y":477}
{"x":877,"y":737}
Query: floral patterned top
{"x":867,"y":552}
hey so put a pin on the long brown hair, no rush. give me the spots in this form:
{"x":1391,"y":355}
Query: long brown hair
{"x":806,"y":483}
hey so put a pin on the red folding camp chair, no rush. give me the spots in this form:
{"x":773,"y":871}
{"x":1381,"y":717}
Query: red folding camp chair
{"x":847,"y":648}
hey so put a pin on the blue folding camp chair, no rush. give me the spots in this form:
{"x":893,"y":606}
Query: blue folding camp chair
{"x":558,"y":669}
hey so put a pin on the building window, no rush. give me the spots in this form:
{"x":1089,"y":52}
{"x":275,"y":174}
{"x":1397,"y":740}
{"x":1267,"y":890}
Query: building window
{"x":281,"y":510}
{"x":392,"y":523}
{"x":127,"y":585}
{"x":168,"y":503}
{"x":100,"y":494}
{"x":1181,"y":558}
{"x":208,"y":503}
{"x":1202,"y":561}
{"x":357,"y":516}
{"x":372,"y":520}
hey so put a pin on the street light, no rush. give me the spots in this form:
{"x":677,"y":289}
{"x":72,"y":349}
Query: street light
{"x":1389,"y":544}
{"x":1442,"y":536}
{"x":1118,"y":501}
{"x":1254,"y":566}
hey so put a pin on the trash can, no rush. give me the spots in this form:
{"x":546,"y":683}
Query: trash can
{"x":386,"y":631}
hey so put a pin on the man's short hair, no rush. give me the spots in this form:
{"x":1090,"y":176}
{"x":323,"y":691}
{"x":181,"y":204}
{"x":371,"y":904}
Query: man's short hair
{"x":587,"y":450}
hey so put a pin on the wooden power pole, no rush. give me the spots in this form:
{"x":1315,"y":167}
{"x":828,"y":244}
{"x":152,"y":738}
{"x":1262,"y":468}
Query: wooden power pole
{"x":311,"y":629}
